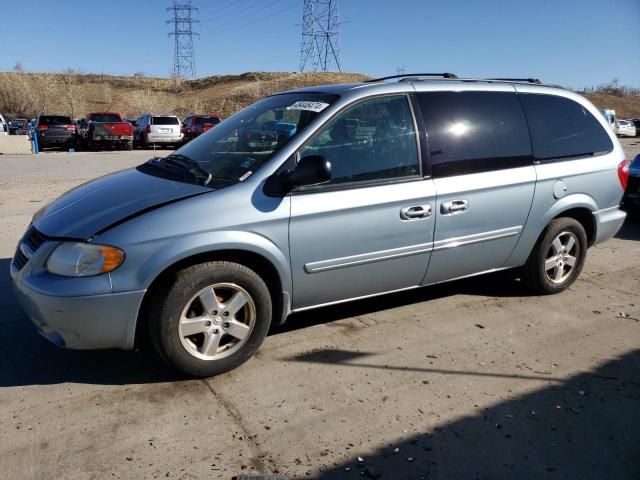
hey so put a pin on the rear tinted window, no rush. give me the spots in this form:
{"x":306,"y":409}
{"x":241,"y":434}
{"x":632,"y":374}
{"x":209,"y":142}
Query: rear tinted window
{"x":561,"y":128}
{"x":54,"y":120}
{"x":106,"y":118}
{"x":205,"y":120}
{"x":165,"y":121}
{"x":472,"y":132}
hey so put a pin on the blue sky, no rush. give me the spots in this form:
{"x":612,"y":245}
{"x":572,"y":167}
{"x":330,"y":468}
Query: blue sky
{"x":570,"y":42}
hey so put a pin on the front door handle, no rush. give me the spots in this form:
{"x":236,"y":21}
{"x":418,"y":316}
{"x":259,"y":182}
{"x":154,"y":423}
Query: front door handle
{"x":455,"y":206}
{"x":415,"y":212}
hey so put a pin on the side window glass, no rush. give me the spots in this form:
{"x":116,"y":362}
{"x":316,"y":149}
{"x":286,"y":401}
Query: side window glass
{"x":372,"y":140}
{"x":561,"y":128}
{"x":473,"y":132}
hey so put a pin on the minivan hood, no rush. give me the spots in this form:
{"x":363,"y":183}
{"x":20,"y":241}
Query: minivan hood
{"x":96,"y":205}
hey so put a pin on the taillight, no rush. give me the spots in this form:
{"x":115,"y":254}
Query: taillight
{"x":623,"y":173}
{"x":42,"y":127}
{"x":71,"y":128}
{"x":148,"y":129}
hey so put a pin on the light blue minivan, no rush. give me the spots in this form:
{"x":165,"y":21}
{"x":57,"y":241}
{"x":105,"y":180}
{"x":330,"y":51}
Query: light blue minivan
{"x":382,"y":186}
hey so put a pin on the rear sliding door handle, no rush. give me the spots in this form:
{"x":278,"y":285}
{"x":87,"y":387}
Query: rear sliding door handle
{"x":455,"y":206}
{"x":415,"y":212}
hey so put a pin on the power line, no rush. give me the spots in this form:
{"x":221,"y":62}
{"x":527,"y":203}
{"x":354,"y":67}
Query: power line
{"x":320,"y":45}
{"x":184,"y":63}
{"x":241,"y":14}
{"x":237,"y":9}
{"x":261,"y":19}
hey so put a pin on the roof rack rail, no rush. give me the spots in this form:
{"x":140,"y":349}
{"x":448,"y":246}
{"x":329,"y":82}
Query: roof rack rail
{"x":526,"y":80}
{"x":408,"y":75}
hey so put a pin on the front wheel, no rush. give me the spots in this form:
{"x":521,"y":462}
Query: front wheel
{"x":211,"y":319}
{"x":558,"y":257}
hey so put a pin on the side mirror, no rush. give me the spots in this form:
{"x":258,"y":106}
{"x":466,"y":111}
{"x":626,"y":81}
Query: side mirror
{"x":310,"y":170}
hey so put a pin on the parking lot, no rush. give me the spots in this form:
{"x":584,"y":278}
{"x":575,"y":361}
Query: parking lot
{"x":476,"y":378}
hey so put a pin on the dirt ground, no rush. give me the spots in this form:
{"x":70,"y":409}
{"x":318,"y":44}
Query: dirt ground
{"x":475,"y":379}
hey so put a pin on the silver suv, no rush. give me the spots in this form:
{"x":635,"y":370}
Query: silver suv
{"x":371,"y":188}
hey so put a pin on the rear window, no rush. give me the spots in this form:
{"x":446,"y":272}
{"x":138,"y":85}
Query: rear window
{"x":165,"y":121}
{"x":205,"y":120}
{"x":106,"y":118}
{"x":473,"y":132}
{"x":561,"y":128}
{"x":54,"y":120}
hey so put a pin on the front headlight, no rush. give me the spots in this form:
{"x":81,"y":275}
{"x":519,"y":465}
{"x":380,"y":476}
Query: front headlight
{"x":76,"y":259}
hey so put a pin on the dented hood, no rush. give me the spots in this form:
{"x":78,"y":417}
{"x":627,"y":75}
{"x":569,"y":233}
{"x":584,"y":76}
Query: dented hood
{"x":101,"y":203}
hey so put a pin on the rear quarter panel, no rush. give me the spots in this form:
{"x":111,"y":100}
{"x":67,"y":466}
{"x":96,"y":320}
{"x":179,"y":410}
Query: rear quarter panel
{"x":589,"y":182}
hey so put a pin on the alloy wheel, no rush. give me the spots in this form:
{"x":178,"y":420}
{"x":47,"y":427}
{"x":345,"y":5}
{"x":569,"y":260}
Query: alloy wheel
{"x":217,"y":321}
{"x":562,"y":257}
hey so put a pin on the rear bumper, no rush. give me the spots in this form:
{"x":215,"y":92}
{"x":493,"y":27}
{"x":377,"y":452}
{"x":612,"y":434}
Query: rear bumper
{"x":165,"y":138}
{"x":608,"y":222}
{"x":51,"y":140}
{"x":113,"y":139}
{"x":632,"y":201}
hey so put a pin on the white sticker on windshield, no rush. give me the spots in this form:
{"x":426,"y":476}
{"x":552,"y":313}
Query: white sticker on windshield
{"x":245,"y":176}
{"x":311,"y":106}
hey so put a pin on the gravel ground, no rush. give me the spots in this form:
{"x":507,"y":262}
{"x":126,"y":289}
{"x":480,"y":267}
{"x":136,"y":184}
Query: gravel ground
{"x":472,"y":379}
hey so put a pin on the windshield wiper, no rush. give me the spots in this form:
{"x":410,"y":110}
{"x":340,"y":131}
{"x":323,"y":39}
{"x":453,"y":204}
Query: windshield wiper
{"x":191,"y":166}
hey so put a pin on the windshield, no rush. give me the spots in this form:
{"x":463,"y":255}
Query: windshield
{"x":240,"y":145}
{"x":106,"y":118}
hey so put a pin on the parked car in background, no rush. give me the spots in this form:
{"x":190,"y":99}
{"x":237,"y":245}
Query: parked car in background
{"x":16,"y":127}
{"x":204,"y":250}
{"x":626,"y":128}
{"x":158,"y":130}
{"x":105,"y":130}
{"x":4,"y":126}
{"x":610,"y":115}
{"x":55,"y":131}
{"x":631,"y":198}
{"x":284,"y":130}
{"x":636,"y":122}
{"x":195,"y":125}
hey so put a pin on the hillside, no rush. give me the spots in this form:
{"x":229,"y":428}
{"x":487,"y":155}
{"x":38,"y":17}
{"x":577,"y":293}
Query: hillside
{"x":25,"y":94}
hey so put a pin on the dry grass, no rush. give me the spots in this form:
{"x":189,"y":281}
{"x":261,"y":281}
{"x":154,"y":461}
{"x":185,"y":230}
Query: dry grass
{"x":625,"y":107}
{"x":26,"y":94}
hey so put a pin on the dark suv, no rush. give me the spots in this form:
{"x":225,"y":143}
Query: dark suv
{"x":55,"y":131}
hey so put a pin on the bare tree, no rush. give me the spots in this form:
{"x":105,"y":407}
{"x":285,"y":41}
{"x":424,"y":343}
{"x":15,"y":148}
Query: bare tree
{"x":72,"y":91}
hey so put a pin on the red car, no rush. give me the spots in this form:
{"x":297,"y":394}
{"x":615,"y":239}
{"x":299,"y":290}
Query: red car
{"x":105,"y":129}
{"x":195,"y":125}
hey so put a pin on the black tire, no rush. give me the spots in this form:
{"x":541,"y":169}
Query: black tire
{"x":172,"y":298}
{"x":129,"y":145}
{"x":534,"y":273}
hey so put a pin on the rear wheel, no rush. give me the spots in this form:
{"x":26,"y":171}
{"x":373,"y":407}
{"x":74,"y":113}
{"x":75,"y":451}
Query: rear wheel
{"x":558,"y":257}
{"x":129,"y":145}
{"x":211,"y":319}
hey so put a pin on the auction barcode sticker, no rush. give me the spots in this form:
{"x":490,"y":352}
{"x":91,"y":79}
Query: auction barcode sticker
{"x":306,"y":105}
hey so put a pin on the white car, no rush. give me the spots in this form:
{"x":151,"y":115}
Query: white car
{"x":152,"y":130}
{"x":626,"y":128}
{"x":4,"y":126}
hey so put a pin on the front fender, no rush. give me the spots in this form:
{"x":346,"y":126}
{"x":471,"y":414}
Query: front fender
{"x":150,"y":259}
